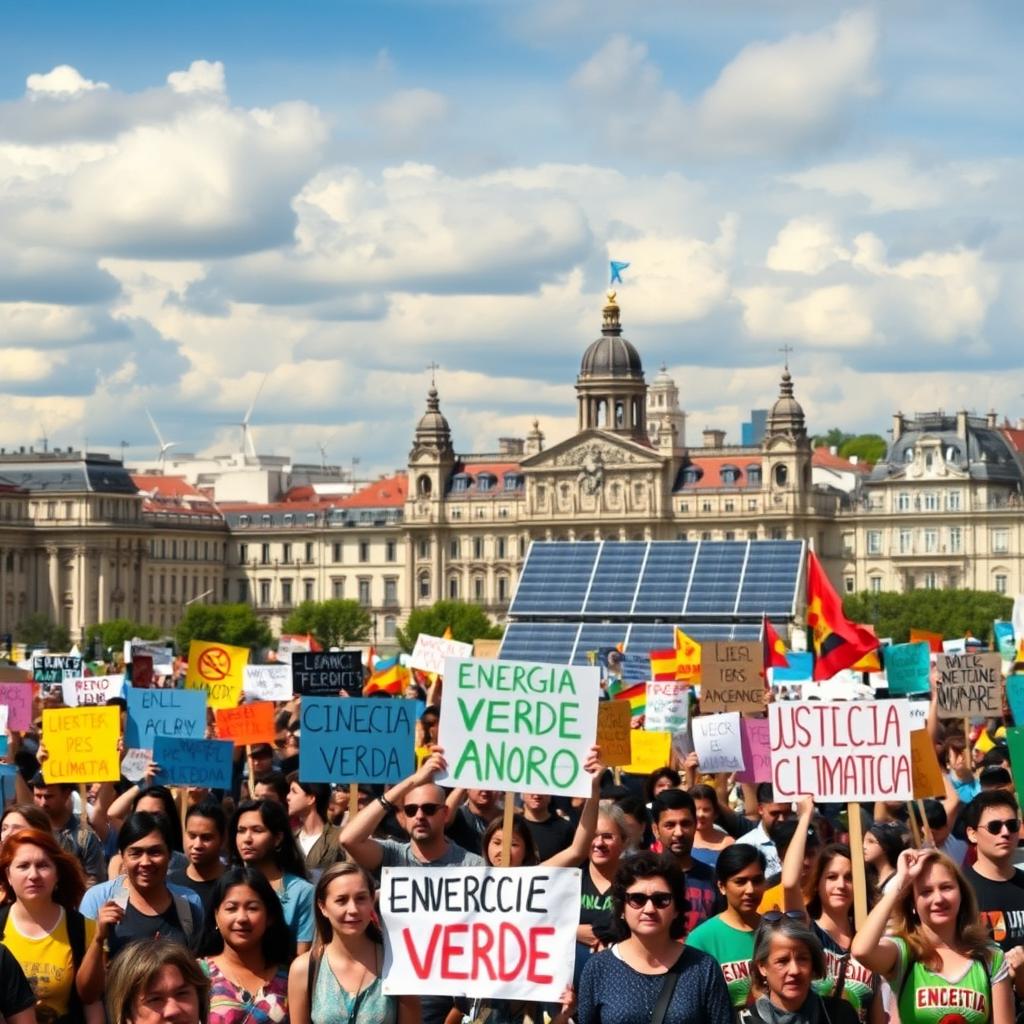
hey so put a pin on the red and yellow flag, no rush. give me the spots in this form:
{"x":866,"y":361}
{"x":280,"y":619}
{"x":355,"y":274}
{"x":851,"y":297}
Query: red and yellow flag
{"x":933,"y":640}
{"x":837,"y":642}
{"x":774,"y":647}
{"x":687,"y":658}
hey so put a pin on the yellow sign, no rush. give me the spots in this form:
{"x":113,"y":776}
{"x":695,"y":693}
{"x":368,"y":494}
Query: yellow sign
{"x":614,"y":734}
{"x":687,"y":659}
{"x":924,"y":765}
{"x":219,"y":669}
{"x":651,"y":750}
{"x":82,"y":744}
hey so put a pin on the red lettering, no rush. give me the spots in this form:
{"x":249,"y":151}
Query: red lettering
{"x":422,"y":967}
{"x":536,"y":955}
{"x":450,"y":949}
{"x":483,"y":940}
{"x":506,"y":931}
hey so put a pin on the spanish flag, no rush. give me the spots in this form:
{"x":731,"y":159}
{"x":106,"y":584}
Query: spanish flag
{"x":663,"y":664}
{"x":837,"y":643}
{"x":687,"y":659}
{"x":387,"y":675}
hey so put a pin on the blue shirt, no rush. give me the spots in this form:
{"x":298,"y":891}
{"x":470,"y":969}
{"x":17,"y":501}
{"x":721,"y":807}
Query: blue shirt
{"x":967,"y":789}
{"x":296,"y":896}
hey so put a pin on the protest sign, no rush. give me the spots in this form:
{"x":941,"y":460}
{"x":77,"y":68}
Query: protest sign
{"x":91,"y":690}
{"x":486,"y":648}
{"x":1006,"y":642}
{"x":8,"y":786}
{"x":289,"y":644}
{"x":718,"y":742}
{"x":957,"y":646}
{"x":731,"y":677}
{"x":1014,"y":696}
{"x":841,"y":751}
{"x":907,"y":668}
{"x":216,"y":669}
{"x":193,"y":762}
{"x":327,"y":673}
{"x":356,"y":739}
{"x":17,"y":698}
{"x":970,"y":685}
{"x":1015,"y":748}
{"x":152,"y":713}
{"x":82,"y":744}
{"x":496,"y":933}
{"x":925,"y":766}
{"x":918,"y":715}
{"x":430,"y":651}
{"x":650,"y":750}
{"x":518,"y":726}
{"x":267,"y":682}
{"x":142,"y":671}
{"x":614,"y":733}
{"x":163,"y":657}
{"x":757,"y":755}
{"x":134,"y":764}
{"x":800,"y":670}
{"x":55,"y":668}
{"x":933,"y":640}
{"x":247,"y":724}
{"x":668,"y":706}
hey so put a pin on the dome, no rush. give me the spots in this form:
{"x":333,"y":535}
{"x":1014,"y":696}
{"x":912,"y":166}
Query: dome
{"x":611,"y":355}
{"x":787,"y":415}
{"x":432,"y":421}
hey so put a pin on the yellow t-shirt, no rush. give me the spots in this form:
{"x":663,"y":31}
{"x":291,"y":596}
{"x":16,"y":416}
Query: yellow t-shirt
{"x":47,"y":962}
{"x":772,"y":899}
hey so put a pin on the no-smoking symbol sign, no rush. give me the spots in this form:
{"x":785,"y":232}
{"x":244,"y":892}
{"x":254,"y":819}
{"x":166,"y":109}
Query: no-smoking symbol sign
{"x":214,"y":664}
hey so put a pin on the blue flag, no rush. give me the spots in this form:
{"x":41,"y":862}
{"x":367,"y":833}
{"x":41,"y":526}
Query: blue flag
{"x":617,"y":269}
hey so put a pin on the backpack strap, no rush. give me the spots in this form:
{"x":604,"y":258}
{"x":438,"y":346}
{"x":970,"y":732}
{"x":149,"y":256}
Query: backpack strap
{"x":184,"y":911}
{"x":668,"y":988}
{"x":76,"y":936}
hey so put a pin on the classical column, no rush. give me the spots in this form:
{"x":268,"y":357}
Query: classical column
{"x":102,"y":588}
{"x":79,"y":608}
{"x":53,"y":555}
{"x":144,"y":595}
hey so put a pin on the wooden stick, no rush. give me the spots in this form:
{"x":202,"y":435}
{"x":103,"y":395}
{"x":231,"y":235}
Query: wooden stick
{"x":928,"y":837}
{"x":915,"y":831}
{"x":252,"y":772}
{"x":506,"y":830}
{"x":617,"y":775}
{"x":860,"y":888}
{"x":353,"y":799}
{"x":184,"y":808}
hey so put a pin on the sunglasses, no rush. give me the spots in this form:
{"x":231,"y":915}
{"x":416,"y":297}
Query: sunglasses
{"x":775,"y":916}
{"x":411,"y":810}
{"x":995,"y":827}
{"x":639,"y":900}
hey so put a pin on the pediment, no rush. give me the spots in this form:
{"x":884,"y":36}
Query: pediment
{"x":595,"y":447}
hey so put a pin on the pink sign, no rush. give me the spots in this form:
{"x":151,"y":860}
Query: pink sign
{"x":756,"y":751}
{"x":18,"y":698}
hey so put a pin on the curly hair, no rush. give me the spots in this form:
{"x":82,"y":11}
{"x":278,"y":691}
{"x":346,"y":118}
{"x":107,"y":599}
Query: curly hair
{"x":70,"y":886}
{"x":649,"y":865}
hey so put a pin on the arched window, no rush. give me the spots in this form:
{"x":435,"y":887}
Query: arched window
{"x":461,"y":482}
{"x":486,"y":481}
{"x":423,"y":485}
{"x":730,"y":475}
{"x":453,"y":588}
{"x":754,"y":475}
{"x":908,"y":455}
{"x":513,"y":481}
{"x":781,"y":475}
{"x":423,"y":585}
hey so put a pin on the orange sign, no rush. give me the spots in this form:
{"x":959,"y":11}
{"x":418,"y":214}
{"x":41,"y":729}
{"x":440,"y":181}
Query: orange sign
{"x":247,"y":725}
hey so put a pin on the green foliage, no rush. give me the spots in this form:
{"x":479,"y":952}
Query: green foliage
{"x":116,"y":632}
{"x":468,"y":622}
{"x":867,"y":447}
{"x":36,"y":629}
{"x":833,"y":438}
{"x":224,"y":623}
{"x":953,"y":613}
{"x":334,"y":623}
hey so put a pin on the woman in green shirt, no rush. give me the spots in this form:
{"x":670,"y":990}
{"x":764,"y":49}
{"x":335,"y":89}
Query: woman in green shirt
{"x":729,"y":937}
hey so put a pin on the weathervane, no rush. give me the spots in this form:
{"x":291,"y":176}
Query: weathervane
{"x":785,"y":350}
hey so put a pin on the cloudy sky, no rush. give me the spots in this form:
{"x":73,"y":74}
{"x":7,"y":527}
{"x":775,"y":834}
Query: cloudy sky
{"x":195,"y":195}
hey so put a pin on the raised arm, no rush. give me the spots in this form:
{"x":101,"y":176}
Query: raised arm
{"x":578,"y":850}
{"x":793,"y":865}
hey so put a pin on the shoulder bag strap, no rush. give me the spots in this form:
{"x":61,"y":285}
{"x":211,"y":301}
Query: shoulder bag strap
{"x":668,"y":988}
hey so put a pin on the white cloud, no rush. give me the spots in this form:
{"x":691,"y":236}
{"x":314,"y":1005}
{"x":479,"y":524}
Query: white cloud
{"x":25,"y":364}
{"x":830,"y":317}
{"x":805,"y":245}
{"x":411,"y":112}
{"x":201,"y":76}
{"x":63,"y":82}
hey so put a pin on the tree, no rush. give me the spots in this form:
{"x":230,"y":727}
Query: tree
{"x":114,"y":633}
{"x":834,"y":438}
{"x":953,"y":613}
{"x":867,"y":447}
{"x":234,"y":624}
{"x":468,"y":622}
{"x":334,"y":623}
{"x":37,"y":630}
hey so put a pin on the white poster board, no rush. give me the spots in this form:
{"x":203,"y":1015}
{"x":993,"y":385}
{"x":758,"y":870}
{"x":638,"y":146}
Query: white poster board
{"x":430,"y":652}
{"x":134,"y":763}
{"x":718,"y":741}
{"x":91,"y":690}
{"x":267,"y":682}
{"x":501,"y":933}
{"x":668,"y":706}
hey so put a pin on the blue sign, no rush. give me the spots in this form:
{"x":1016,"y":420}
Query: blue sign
{"x":1015,"y":697}
{"x":1006,"y":642}
{"x":907,"y":668}
{"x":357,"y":739}
{"x":152,"y":713}
{"x":193,"y":762}
{"x":801,"y":667}
{"x":8,"y":792}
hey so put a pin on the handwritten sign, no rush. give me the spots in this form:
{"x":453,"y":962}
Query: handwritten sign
{"x":205,"y":763}
{"x":970,"y":685}
{"x":651,"y":750}
{"x":757,"y":755}
{"x":518,"y":726}
{"x":247,"y":724}
{"x":486,"y":648}
{"x":614,"y":733}
{"x":55,"y":668}
{"x":841,"y":751}
{"x":91,"y":690}
{"x":267,"y":682}
{"x":163,"y":657}
{"x":327,"y":673}
{"x":718,"y":742}
{"x":356,"y":739}
{"x":430,"y":652}
{"x":907,"y":668}
{"x":925,"y":766}
{"x":17,"y":697}
{"x":501,"y":933}
{"x":134,"y":764}
{"x":668,"y":706}
{"x":82,"y":744}
{"x":217,"y":670}
{"x":152,"y":713}
{"x":731,"y":678}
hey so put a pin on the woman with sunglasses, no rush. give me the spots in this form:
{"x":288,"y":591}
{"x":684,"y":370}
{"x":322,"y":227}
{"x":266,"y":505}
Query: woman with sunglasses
{"x":729,"y":937}
{"x":937,"y":957}
{"x":649,"y":976}
{"x":827,"y":895}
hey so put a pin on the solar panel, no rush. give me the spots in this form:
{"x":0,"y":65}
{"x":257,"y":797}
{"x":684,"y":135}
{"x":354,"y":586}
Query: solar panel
{"x":716,"y":579}
{"x":555,"y":579}
{"x":616,"y":576}
{"x":550,"y":642}
{"x":770,"y":579}
{"x":665,"y":579}
{"x":594,"y":636}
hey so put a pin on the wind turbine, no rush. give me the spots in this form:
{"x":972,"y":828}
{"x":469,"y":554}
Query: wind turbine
{"x":322,"y":445}
{"x":165,"y":446}
{"x":248,"y":445}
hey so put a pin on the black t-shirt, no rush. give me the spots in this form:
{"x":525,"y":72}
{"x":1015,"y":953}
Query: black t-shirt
{"x":595,"y":907}
{"x":204,"y":890}
{"x":16,"y":994}
{"x":467,"y":829}
{"x":1001,"y":905}
{"x":135,"y":925}
{"x":551,"y":836}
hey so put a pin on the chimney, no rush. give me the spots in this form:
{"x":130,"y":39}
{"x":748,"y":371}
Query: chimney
{"x":854,"y":459}
{"x":833,"y":450}
{"x":897,"y":427}
{"x":713,"y":438}
{"x":511,"y":445}
{"x":992,"y":419}
{"x":961,"y":424}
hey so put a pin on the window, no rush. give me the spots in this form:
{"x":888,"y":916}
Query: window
{"x":289,"y":518}
{"x":499,"y":547}
{"x":929,"y":581}
{"x":908,"y":455}
{"x":502,"y":589}
{"x":730,"y":505}
{"x":364,"y":592}
{"x":1001,"y":582}
{"x":390,"y":624}
{"x":69,"y":510}
{"x":423,"y":486}
{"x":684,"y":506}
{"x":730,"y":475}
{"x":265,"y":593}
{"x":875,"y":584}
{"x":163,"y":587}
{"x":705,"y":506}
{"x":243,"y":591}
{"x":286,"y":593}
{"x":390,"y":551}
{"x":174,"y":549}
{"x":691,"y":475}
{"x":485,"y":482}
{"x":336,"y":552}
{"x":364,"y":551}
{"x":51,"y":509}
{"x":478,"y":547}
{"x":931,"y":501}
{"x":423,"y":588}
{"x":460,"y":482}
{"x":243,"y":554}
{"x":848,"y":584}
{"x":848,"y":543}
{"x":424,"y":549}
{"x":309,"y":551}
{"x":730,"y":535}
{"x":286,"y":553}
{"x":874,"y":542}
{"x":1000,"y":541}
{"x":903,"y":502}
{"x":751,"y":504}
{"x":453,"y":587}
{"x":955,"y":540}
{"x":931,"y":541}
{"x":264,"y":554}
{"x":705,"y":535}
{"x":781,"y":476}
{"x":267,"y":519}
{"x":453,"y":547}
{"x":338,"y":588}
{"x":754,"y":476}
{"x":513,"y":481}
{"x":906,"y":545}
{"x":307,"y":590}
{"x":953,"y":501}
{"x":391,"y":591}
{"x":456,"y":513}
{"x":311,"y":519}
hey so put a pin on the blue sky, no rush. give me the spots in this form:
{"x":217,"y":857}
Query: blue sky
{"x":336,"y":194}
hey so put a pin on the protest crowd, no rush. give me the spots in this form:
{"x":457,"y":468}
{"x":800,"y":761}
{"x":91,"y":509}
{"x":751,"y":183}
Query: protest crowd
{"x":483,"y":841}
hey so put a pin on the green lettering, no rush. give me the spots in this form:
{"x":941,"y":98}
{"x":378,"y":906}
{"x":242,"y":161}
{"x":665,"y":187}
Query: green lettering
{"x":567,"y":682}
{"x":470,"y":755}
{"x":469,"y":717}
{"x":566,"y":719}
{"x":466,"y":668}
{"x":517,"y":678}
{"x":497,"y":716}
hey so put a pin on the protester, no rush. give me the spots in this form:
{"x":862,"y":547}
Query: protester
{"x":884,"y":841}
{"x":317,"y":838}
{"x":205,"y":832}
{"x":19,"y":816}
{"x":611,"y":840}
{"x":674,"y":818}
{"x":649,"y":977}
{"x":271,"y":786}
{"x":770,"y":812}
{"x":157,"y":983}
{"x":659,"y":780}
{"x":470,"y":811}
{"x":247,"y":950}
{"x":340,"y":981}
{"x":17,"y":1000}
{"x":956,"y":759}
{"x":708,"y":840}
{"x":783,"y":834}
{"x":74,"y":834}
{"x":937,"y":957}
{"x":551,"y":833}
{"x":154,"y":800}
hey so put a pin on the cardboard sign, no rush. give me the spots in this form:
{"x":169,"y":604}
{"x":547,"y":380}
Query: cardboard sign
{"x":430,"y":652}
{"x":92,"y":690}
{"x":757,"y":754}
{"x":614,"y":733}
{"x":907,"y":668}
{"x":267,"y":682}
{"x":8,"y":786}
{"x":933,"y":640}
{"x":356,"y":739}
{"x":205,"y":763}
{"x":17,"y":698}
{"x":1014,"y":696}
{"x":518,"y":726}
{"x":134,"y":764}
{"x":248,"y":724}
{"x":925,"y":766}
{"x":55,"y":668}
{"x":718,"y":742}
{"x":970,"y":685}
{"x":327,"y":673}
{"x":216,"y":670}
{"x":668,"y":706}
{"x":152,"y":713}
{"x":841,"y":751}
{"x":82,"y":744}
{"x":731,"y":677}
{"x":142,"y":670}
{"x":486,"y":648}
{"x":651,"y":750}
{"x":501,"y":933}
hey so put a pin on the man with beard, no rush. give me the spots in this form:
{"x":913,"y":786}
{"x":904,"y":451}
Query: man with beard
{"x":674,"y":816}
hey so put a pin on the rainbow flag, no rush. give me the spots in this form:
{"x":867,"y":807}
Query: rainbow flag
{"x":635,"y":693}
{"x":388,"y":675}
